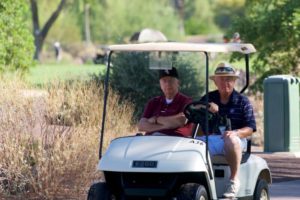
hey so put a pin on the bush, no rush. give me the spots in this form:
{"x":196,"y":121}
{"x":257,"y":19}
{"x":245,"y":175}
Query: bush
{"x":16,"y":49}
{"x":135,"y":82}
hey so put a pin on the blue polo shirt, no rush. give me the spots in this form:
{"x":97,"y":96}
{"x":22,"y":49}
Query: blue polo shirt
{"x":238,"y":109}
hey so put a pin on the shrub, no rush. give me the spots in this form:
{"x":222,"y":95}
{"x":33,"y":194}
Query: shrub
{"x":136,"y":83}
{"x":16,"y":49}
{"x":40,"y":160}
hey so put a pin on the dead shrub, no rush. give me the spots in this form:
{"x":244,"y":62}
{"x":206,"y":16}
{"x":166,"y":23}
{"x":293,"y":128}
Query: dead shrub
{"x":55,"y":159}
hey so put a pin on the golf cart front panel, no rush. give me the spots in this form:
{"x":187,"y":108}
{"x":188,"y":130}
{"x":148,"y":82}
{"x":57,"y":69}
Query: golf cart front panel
{"x":154,"y":154}
{"x":155,"y":166}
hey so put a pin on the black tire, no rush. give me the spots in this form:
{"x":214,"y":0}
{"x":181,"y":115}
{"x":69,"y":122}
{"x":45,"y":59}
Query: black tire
{"x":99,"y":191}
{"x":192,"y":191}
{"x":261,"y":191}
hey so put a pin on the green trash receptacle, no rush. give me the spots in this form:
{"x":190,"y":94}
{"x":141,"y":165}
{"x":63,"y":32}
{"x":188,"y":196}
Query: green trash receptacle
{"x":281,"y":114}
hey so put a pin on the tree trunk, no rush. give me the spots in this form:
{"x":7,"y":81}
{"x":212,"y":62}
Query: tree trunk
{"x":87,"y":27}
{"x":38,"y":42}
{"x":41,"y":34}
{"x":179,"y":6}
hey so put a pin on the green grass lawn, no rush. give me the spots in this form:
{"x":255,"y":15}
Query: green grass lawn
{"x":44,"y":73}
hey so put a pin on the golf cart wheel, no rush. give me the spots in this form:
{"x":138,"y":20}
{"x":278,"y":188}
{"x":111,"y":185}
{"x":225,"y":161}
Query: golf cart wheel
{"x":261,"y":190}
{"x":192,"y":191}
{"x":99,"y":191}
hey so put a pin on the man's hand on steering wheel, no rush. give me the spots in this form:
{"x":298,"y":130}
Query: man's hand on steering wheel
{"x":195,"y":111}
{"x":214,"y":108}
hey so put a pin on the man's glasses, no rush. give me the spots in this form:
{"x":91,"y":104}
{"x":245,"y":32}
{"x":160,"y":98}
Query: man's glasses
{"x":226,"y":78}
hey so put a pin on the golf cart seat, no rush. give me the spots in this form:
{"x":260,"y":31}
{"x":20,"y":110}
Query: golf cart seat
{"x":221,"y":160}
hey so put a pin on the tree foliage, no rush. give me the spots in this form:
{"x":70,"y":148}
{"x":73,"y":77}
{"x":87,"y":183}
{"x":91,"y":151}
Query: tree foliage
{"x":82,"y":10}
{"x":115,"y":21}
{"x":273,"y":26}
{"x":105,"y":22}
{"x":198,"y":17}
{"x":99,"y":21}
{"x":226,"y":11}
{"x":16,"y":49}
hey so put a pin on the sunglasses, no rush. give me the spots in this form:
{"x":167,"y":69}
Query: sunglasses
{"x":224,"y":70}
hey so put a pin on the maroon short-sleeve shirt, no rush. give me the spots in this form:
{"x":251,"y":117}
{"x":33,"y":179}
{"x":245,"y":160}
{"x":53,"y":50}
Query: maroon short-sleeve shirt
{"x":157,"y":106}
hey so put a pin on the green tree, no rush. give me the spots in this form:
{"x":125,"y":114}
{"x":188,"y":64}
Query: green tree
{"x":115,"y":21}
{"x":273,"y":26}
{"x":82,"y":8}
{"x":226,"y":11}
{"x":198,"y":17}
{"x":16,"y":49}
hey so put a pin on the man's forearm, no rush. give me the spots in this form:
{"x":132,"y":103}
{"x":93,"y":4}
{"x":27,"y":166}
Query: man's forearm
{"x":160,"y":123}
{"x":146,"y":126}
{"x":172,"y":122}
{"x":244,"y":132}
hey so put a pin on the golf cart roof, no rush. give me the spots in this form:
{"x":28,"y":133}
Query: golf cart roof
{"x":177,"y":46}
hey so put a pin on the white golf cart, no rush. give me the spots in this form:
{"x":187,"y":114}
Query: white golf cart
{"x":169,"y":167}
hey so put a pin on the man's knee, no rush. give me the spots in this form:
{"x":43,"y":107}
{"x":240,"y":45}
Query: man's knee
{"x":233,"y":140}
{"x":232,"y":143}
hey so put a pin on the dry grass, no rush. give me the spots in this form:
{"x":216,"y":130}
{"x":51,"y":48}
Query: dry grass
{"x":49,"y":140}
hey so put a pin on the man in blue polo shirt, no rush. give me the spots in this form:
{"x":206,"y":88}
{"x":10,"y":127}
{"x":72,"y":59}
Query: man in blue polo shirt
{"x":228,"y":102}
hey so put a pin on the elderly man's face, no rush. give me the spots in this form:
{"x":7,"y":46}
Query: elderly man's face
{"x":225,"y":84}
{"x":169,"y":85}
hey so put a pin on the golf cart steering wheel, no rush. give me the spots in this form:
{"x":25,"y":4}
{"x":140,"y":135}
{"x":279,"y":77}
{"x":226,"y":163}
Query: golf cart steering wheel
{"x":195,"y":112}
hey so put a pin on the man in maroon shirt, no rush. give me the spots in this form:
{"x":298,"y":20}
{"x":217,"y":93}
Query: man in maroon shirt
{"x":164,"y":114}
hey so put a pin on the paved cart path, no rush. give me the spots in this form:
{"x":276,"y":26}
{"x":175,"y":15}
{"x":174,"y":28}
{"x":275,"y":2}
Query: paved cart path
{"x":285,"y":169}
